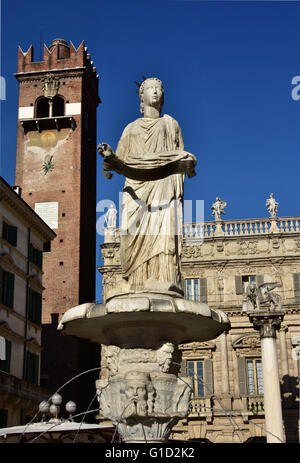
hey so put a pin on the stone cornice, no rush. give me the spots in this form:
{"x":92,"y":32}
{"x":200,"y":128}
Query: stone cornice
{"x":36,"y":75}
{"x":214,"y":261}
{"x":7,"y":332}
{"x":10,"y":311}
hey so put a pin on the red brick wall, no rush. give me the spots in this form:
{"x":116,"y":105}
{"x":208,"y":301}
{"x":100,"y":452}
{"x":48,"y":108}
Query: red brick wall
{"x":71,"y":183}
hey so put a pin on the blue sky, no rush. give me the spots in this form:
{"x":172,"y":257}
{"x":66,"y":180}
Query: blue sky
{"x":227,"y":69}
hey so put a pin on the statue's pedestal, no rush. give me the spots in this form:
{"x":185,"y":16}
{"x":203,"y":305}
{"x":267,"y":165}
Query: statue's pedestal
{"x":144,"y":395}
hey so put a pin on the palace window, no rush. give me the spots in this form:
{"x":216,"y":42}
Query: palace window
{"x":3,"y":417}
{"x":202,"y":374}
{"x":7,"y":284}
{"x":35,"y":307}
{"x":195,"y":369}
{"x":250,"y":376}
{"x":254,"y":377}
{"x":32,"y":368}
{"x":196,"y":289}
{"x":242,"y":282}
{"x":10,"y":233}
{"x":35,"y":256}
{"x":5,"y":355}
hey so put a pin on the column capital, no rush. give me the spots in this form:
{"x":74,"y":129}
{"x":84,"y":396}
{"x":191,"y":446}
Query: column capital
{"x":283,"y":327}
{"x":266,"y":322}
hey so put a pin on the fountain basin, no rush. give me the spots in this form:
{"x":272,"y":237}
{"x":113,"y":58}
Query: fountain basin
{"x":144,"y":320}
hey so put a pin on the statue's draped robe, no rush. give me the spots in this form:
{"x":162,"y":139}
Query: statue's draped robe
{"x":151,"y":240}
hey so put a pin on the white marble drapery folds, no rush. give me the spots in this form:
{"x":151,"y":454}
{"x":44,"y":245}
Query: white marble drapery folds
{"x":151,"y":239}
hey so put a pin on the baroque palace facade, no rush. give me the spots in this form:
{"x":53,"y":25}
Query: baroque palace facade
{"x":220,"y":259}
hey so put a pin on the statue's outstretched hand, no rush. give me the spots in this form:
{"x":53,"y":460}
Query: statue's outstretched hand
{"x":106,"y":151}
{"x":191,"y":164}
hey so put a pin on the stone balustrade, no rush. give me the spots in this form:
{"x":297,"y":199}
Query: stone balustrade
{"x":200,"y":406}
{"x":255,"y":404}
{"x":244,"y":227}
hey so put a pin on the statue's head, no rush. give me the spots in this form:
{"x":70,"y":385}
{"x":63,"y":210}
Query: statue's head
{"x":151,"y":93}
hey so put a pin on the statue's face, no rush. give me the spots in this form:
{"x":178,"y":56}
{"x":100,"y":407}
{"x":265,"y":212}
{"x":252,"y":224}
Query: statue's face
{"x":153,"y":93}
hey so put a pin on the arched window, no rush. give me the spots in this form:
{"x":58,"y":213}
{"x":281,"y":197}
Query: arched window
{"x":42,"y":107}
{"x":58,"y":106}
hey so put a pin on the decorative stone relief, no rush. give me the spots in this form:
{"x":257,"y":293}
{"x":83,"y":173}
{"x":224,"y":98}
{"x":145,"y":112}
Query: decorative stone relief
{"x":247,"y":269}
{"x":50,"y":85}
{"x":207,"y":249}
{"x":289,"y":245}
{"x":232,"y":248}
{"x":220,"y":246}
{"x":196,"y":349}
{"x":248,"y":247}
{"x":276,"y":243}
{"x":192,"y":272}
{"x":108,"y":253}
{"x":140,"y":396}
{"x":190,"y":252}
{"x":109,"y":279}
{"x":263,"y":246}
{"x":248,"y":344}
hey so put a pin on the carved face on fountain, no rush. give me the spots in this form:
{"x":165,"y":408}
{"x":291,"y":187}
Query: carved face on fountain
{"x":138,"y":391}
{"x":165,"y":356}
{"x":135,"y":385}
{"x":112,"y":353}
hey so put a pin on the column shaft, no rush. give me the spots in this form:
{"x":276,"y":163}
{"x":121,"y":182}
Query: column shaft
{"x":224,"y":363}
{"x":272,"y":398}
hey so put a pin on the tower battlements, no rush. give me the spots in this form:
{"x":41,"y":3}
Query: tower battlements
{"x":59,"y":55}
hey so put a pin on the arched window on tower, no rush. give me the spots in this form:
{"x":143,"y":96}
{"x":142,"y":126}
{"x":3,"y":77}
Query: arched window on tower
{"x":43,"y":107}
{"x":58,"y":106}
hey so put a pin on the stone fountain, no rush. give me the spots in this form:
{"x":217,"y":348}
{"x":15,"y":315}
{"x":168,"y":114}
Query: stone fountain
{"x":144,"y":320}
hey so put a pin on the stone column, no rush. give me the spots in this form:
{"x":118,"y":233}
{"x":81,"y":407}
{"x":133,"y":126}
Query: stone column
{"x":226,"y":398}
{"x":284,"y":359}
{"x":267,"y":323}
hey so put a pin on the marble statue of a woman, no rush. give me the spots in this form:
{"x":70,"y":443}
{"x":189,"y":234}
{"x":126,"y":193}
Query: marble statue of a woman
{"x":151,"y":155}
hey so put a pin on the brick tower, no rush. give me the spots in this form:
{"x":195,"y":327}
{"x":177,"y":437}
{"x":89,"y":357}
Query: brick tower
{"x":56,"y":169}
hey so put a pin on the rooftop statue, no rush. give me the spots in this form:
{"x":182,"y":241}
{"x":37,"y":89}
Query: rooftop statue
{"x":218,"y":208}
{"x":151,"y":155}
{"x":272,"y":206}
